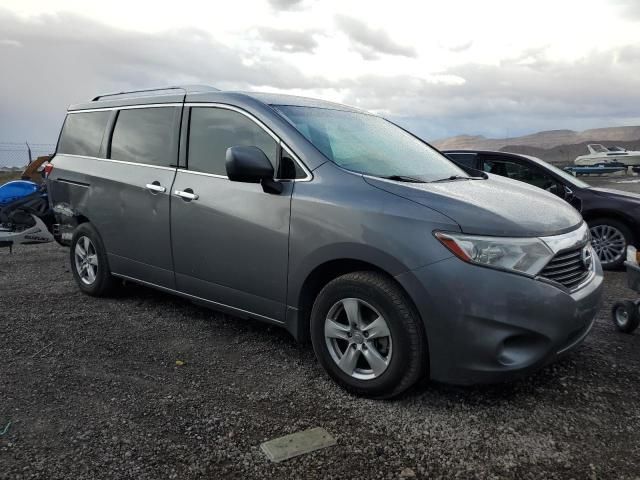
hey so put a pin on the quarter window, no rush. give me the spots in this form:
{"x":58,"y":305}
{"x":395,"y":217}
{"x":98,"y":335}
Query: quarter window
{"x":289,"y":168}
{"x":146,"y":135}
{"x":213,"y":130}
{"x":82,"y":133}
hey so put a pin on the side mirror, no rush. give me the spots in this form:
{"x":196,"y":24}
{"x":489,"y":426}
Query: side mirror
{"x":251,"y":165}
{"x":560,"y":190}
{"x":568,"y":194}
{"x":247,"y":164}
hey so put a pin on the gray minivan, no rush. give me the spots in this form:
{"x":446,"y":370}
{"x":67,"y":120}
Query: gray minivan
{"x":329,"y":221}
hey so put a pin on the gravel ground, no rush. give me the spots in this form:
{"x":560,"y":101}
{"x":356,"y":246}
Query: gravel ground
{"x":92,"y":390}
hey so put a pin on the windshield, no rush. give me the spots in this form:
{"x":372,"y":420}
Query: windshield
{"x":368,"y":144}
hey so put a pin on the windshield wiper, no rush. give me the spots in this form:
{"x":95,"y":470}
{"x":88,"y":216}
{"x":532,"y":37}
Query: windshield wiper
{"x":456,"y":177}
{"x":404,"y":178}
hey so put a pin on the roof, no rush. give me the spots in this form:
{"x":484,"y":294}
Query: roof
{"x":178,"y":94}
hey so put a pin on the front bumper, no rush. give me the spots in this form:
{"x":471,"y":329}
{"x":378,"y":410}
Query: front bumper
{"x":486,"y":326}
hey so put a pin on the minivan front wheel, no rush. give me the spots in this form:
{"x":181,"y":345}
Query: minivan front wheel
{"x":89,"y":262}
{"x":367,"y":335}
{"x":358,"y":338}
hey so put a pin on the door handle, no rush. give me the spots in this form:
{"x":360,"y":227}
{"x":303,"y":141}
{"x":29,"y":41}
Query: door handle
{"x":186,"y":194}
{"x":155,"y":187}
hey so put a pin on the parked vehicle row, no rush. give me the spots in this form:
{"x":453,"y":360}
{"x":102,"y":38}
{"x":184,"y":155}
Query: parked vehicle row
{"x":328,"y":221}
{"x":613,"y":216}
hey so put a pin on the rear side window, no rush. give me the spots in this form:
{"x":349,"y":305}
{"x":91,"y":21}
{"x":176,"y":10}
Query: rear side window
{"x":213,"y":130}
{"x":146,"y":135}
{"x":82,"y":133}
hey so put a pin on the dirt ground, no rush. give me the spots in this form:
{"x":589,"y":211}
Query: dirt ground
{"x":92,"y":390}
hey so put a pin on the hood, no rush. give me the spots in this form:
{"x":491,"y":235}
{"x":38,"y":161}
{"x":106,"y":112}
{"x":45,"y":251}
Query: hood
{"x":616,"y":193}
{"x":496,"y":206}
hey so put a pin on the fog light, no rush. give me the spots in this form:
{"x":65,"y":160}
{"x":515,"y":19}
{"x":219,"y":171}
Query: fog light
{"x":522,"y":350}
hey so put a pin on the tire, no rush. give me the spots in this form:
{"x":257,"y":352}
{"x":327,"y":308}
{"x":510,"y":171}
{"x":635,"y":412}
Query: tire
{"x":610,"y":239}
{"x":101,"y":283}
{"x":625,"y":316}
{"x":401,"y":346}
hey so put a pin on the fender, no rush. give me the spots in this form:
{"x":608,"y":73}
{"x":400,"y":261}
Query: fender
{"x":299,"y":273}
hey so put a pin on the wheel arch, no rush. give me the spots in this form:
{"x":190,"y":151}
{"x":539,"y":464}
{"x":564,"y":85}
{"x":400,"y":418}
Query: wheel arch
{"x":80,"y":219}
{"x":299,"y":314}
{"x":68,"y":219}
{"x":597,"y":214}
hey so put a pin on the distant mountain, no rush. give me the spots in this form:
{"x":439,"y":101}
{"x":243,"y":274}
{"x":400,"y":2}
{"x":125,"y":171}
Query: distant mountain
{"x":557,"y":146}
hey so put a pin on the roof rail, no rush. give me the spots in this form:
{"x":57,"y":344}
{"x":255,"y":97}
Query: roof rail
{"x":185,"y":88}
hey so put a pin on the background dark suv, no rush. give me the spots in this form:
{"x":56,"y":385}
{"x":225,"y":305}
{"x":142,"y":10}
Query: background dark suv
{"x":613,"y":216}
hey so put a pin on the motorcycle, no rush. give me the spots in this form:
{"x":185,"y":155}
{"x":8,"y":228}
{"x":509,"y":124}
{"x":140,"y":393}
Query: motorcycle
{"x":25,"y":215}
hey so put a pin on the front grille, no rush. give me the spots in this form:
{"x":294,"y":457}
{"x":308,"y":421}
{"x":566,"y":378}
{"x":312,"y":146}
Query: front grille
{"x":567,"y":268}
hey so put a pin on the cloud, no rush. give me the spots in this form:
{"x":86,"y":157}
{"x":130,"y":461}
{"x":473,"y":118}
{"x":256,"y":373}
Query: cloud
{"x":63,"y":59}
{"x":629,"y":54}
{"x":370,"y":42}
{"x":67,"y":59}
{"x":367,"y":53}
{"x":288,"y":40}
{"x":9,"y":43}
{"x":516,"y":96}
{"x":629,"y":8}
{"x":285,"y":4}
{"x":460,"y":47}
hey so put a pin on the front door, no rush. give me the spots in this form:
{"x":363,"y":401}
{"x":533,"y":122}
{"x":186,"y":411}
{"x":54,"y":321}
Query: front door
{"x":230,"y":239}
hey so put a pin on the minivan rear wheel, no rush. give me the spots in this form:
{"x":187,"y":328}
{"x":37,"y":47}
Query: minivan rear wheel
{"x":89,"y":262}
{"x":368,"y":336}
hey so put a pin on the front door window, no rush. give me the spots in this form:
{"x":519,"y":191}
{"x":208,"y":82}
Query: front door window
{"x":524,"y":173}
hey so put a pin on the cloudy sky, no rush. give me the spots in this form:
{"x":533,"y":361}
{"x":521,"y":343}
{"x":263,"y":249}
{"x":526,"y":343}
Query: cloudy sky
{"x":492,"y":67}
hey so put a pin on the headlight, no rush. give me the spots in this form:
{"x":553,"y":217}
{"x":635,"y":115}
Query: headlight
{"x":523,"y":255}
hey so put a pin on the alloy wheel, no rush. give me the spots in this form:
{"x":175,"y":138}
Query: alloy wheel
{"x":608,"y":242}
{"x":358,"y":338}
{"x":86,"y":260}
